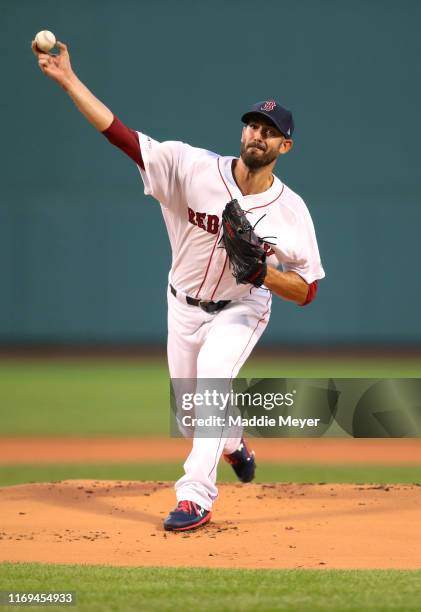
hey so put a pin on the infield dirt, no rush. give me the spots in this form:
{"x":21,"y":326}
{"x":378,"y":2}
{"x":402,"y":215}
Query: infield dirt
{"x":253,"y":526}
{"x":38,"y":450}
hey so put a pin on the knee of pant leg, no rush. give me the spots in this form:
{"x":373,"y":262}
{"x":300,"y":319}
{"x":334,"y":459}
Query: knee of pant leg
{"x":220,"y":365}
{"x":213,"y":368}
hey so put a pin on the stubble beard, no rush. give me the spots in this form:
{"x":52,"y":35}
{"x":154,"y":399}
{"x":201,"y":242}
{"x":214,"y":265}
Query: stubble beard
{"x":254,"y":163}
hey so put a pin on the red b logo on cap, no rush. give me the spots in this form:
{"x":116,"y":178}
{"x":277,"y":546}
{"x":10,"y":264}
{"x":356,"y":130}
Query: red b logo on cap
{"x":269,"y":105}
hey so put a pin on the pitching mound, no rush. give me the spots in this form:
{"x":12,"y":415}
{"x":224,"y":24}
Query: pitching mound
{"x":254,"y":526}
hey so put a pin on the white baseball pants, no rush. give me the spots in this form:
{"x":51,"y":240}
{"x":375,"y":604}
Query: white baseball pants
{"x":207,"y":346}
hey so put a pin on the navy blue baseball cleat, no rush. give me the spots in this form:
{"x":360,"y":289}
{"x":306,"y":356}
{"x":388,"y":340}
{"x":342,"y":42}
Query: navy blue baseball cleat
{"x":187,"y":515}
{"x":242,"y":462}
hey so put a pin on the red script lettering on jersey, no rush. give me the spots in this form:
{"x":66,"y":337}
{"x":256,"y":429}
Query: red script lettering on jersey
{"x":209,"y":223}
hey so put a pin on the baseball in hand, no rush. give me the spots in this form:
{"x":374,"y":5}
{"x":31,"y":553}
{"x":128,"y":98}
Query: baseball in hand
{"x":45,"y":40}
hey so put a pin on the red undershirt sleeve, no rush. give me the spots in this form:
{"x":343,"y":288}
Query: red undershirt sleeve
{"x":125,"y":139}
{"x":311,"y":293}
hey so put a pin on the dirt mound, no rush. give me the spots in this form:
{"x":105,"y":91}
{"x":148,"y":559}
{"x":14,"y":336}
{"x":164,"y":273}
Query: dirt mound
{"x":254,"y":526}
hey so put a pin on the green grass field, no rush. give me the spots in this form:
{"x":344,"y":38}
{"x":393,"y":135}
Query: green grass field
{"x":118,"y":397}
{"x":266,"y":472}
{"x":126,"y":397}
{"x":106,"y":589}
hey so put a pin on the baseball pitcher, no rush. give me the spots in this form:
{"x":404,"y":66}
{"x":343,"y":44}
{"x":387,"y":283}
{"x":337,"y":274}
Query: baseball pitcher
{"x":238,"y":234}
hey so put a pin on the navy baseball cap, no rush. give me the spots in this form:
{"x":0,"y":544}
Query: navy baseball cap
{"x":281,"y":117}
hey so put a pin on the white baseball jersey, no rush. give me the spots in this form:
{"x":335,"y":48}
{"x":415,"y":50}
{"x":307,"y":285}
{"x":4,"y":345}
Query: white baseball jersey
{"x":193,"y":185}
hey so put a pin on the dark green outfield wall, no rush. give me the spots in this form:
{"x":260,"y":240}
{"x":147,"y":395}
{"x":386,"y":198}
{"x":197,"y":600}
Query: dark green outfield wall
{"x":83,"y":253}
